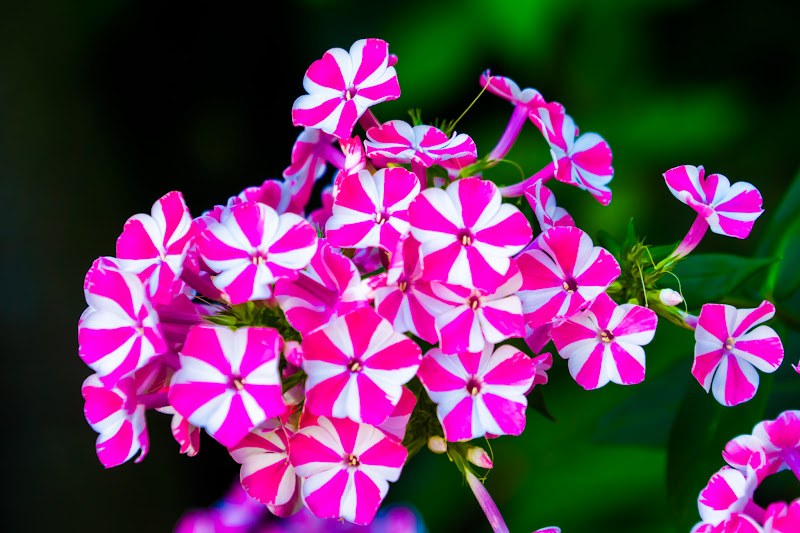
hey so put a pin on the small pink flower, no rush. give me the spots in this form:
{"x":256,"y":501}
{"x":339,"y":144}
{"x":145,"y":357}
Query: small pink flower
{"x":155,"y":246}
{"x":252,"y":247}
{"x":782,"y":518}
{"x":584,"y":162}
{"x":604,"y":342}
{"x":372,"y":210}
{"x":395,"y":426}
{"x":728,"y":491}
{"x":266,"y":474}
{"x":728,"y":209}
{"x":728,"y":350}
{"x":341,"y":86}
{"x":478,"y":393}
{"x":399,"y":142}
{"x":562,"y":273}
{"x":543,"y":202}
{"x":356,"y":367}
{"x":119,"y":332}
{"x":735,"y":523}
{"x":228,"y":382}
{"x":346,"y":468}
{"x":329,"y":287}
{"x":467,"y":234}
{"x":311,"y":152}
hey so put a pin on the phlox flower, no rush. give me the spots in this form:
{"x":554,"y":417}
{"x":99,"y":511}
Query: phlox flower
{"x":228,"y":382}
{"x":398,"y":142}
{"x":311,"y":152}
{"x":329,"y":287}
{"x":266,"y":474}
{"x":252,"y":247}
{"x":395,"y":426}
{"x":155,"y":246}
{"x":728,"y":350}
{"x":735,"y":523}
{"x":728,"y":491}
{"x":466,"y":319}
{"x":118,"y":417}
{"x":782,"y":518}
{"x":561,"y":274}
{"x":346,"y":468}
{"x":405,"y":299}
{"x":372,"y":210}
{"x":727,"y":209}
{"x":778,"y":439}
{"x":320,"y":216}
{"x":604,"y":342}
{"x":478,"y":393}
{"x":543,"y":202}
{"x":341,"y":86}
{"x":356,"y":367}
{"x":119,"y":332}
{"x":467,"y":234}
{"x":584,"y":162}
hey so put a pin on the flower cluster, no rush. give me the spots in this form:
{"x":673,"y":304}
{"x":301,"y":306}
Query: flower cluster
{"x":726,"y":503}
{"x":324,"y":347}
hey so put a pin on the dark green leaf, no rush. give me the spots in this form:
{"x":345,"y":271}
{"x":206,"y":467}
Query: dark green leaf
{"x":788,"y":276}
{"x":701,"y":429}
{"x":783,"y":221}
{"x":536,"y":401}
{"x":607,"y":241}
{"x":630,"y":237}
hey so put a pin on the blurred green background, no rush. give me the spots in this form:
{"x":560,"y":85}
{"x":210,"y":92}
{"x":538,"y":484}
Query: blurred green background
{"x":106,"y":105}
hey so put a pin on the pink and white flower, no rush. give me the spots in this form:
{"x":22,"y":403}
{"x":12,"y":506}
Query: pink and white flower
{"x":266,"y":474}
{"x":728,"y":491}
{"x":478,"y":393}
{"x":228,"y":382}
{"x":341,"y":86}
{"x":584,"y":162}
{"x":119,"y":332}
{"x":329,"y":287}
{"x":728,"y":351}
{"x":253,"y":246}
{"x":543,"y":202}
{"x":561,"y":274}
{"x":727,"y":209}
{"x":467,"y":234}
{"x":399,"y":142}
{"x":604,"y":342}
{"x":116,"y":415}
{"x":372,"y":210}
{"x":778,"y":440}
{"x":782,"y":518}
{"x":155,"y":246}
{"x":395,"y":426}
{"x":356,"y":367}
{"x":346,"y":468}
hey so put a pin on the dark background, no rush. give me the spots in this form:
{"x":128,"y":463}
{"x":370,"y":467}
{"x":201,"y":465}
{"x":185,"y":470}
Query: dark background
{"x":106,"y":105}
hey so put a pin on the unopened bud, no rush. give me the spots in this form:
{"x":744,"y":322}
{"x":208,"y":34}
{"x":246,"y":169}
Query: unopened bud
{"x":293,"y":352}
{"x":478,"y":456}
{"x":437,"y":444}
{"x":670,"y":297}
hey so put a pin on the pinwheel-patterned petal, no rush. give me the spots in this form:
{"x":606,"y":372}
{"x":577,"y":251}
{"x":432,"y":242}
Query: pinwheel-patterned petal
{"x":399,"y":142}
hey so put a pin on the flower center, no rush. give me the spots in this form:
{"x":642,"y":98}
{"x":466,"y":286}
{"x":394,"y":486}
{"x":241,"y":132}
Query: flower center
{"x":259,"y":259}
{"x":729,"y":344}
{"x":139,"y":330}
{"x":570,"y":285}
{"x":473,"y":386}
{"x":606,"y":336}
{"x":474,"y":302}
{"x":381,"y":218}
{"x":465,"y":237}
{"x":352,"y":460}
{"x":350,"y":93}
{"x":354,"y":365}
{"x":237,"y":383}
{"x":403,"y":286}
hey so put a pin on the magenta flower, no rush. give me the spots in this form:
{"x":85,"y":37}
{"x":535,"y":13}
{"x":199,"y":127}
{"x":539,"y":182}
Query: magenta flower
{"x":311,"y":152}
{"x":604,"y":342}
{"x":561,"y":274}
{"x":228,"y":382}
{"x":341,"y":86}
{"x":782,"y":518}
{"x":728,"y":491}
{"x":329,"y":287}
{"x":155,"y":246}
{"x":395,"y":426}
{"x":778,"y":440}
{"x":584,"y":162}
{"x":346,"y":468}
{"x":405,"y":300}
{"x":267,"y":475}
{"x":735,"y":523}
{"x":478,"y":393}
{"x":372,"y":210}
{"x":543,"y":202}
{"x":356,"y":367}
{"x":727,"y":209}
{"x":467,"y":234}
{"x":467,"y":318}
{"x":116,"y":415}
{"x":398,"y":142}
{"x":728,"y":350}
{"x":119,"y":332}
{"x":252,"y":247}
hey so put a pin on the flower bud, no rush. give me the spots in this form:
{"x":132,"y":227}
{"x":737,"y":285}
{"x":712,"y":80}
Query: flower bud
{"x":670,"y":297}
{"x":293,"y":352}
{"x":478,"y":456}
{"x":437,"y":444}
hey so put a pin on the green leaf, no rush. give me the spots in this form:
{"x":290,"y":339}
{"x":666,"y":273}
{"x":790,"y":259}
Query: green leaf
{"x":607,"y":241}
{"x":630,"y":237}
{"x":788,"y":276}
{"x":536,"y":401}
{"x":784,"y":221}
{"x":701,"y":429}
{"x":710,"y":277}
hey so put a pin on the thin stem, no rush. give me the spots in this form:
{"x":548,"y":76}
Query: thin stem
{"x":333,"y":156}
{"x":518,"y":189}
{"x":792,"y":458}
{"x":755,"y":511}
{"x":692,"y":239}
{"x":421,"y":173}
{"x":518,"y":118}
{"x":154,"y":401}
{"x":201,"y":284}
{"x":486,"y":503}
{"x":368,"y":120}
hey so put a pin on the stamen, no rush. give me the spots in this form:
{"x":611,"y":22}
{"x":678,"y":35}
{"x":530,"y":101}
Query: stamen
{"x":473,"y":386}
{"x":355,"y":366}
{"x":606,"y":336}
{"x":237,"y":383}
{"x":466,"y":240}
{"x":729,"y":344}
{"x":380,"y":218}
{"x":352,"y":460}
{"x":259,"y":260}
{"x":403,"y":286}
{"x":474,"y":302}
{"x":570,"y":286}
